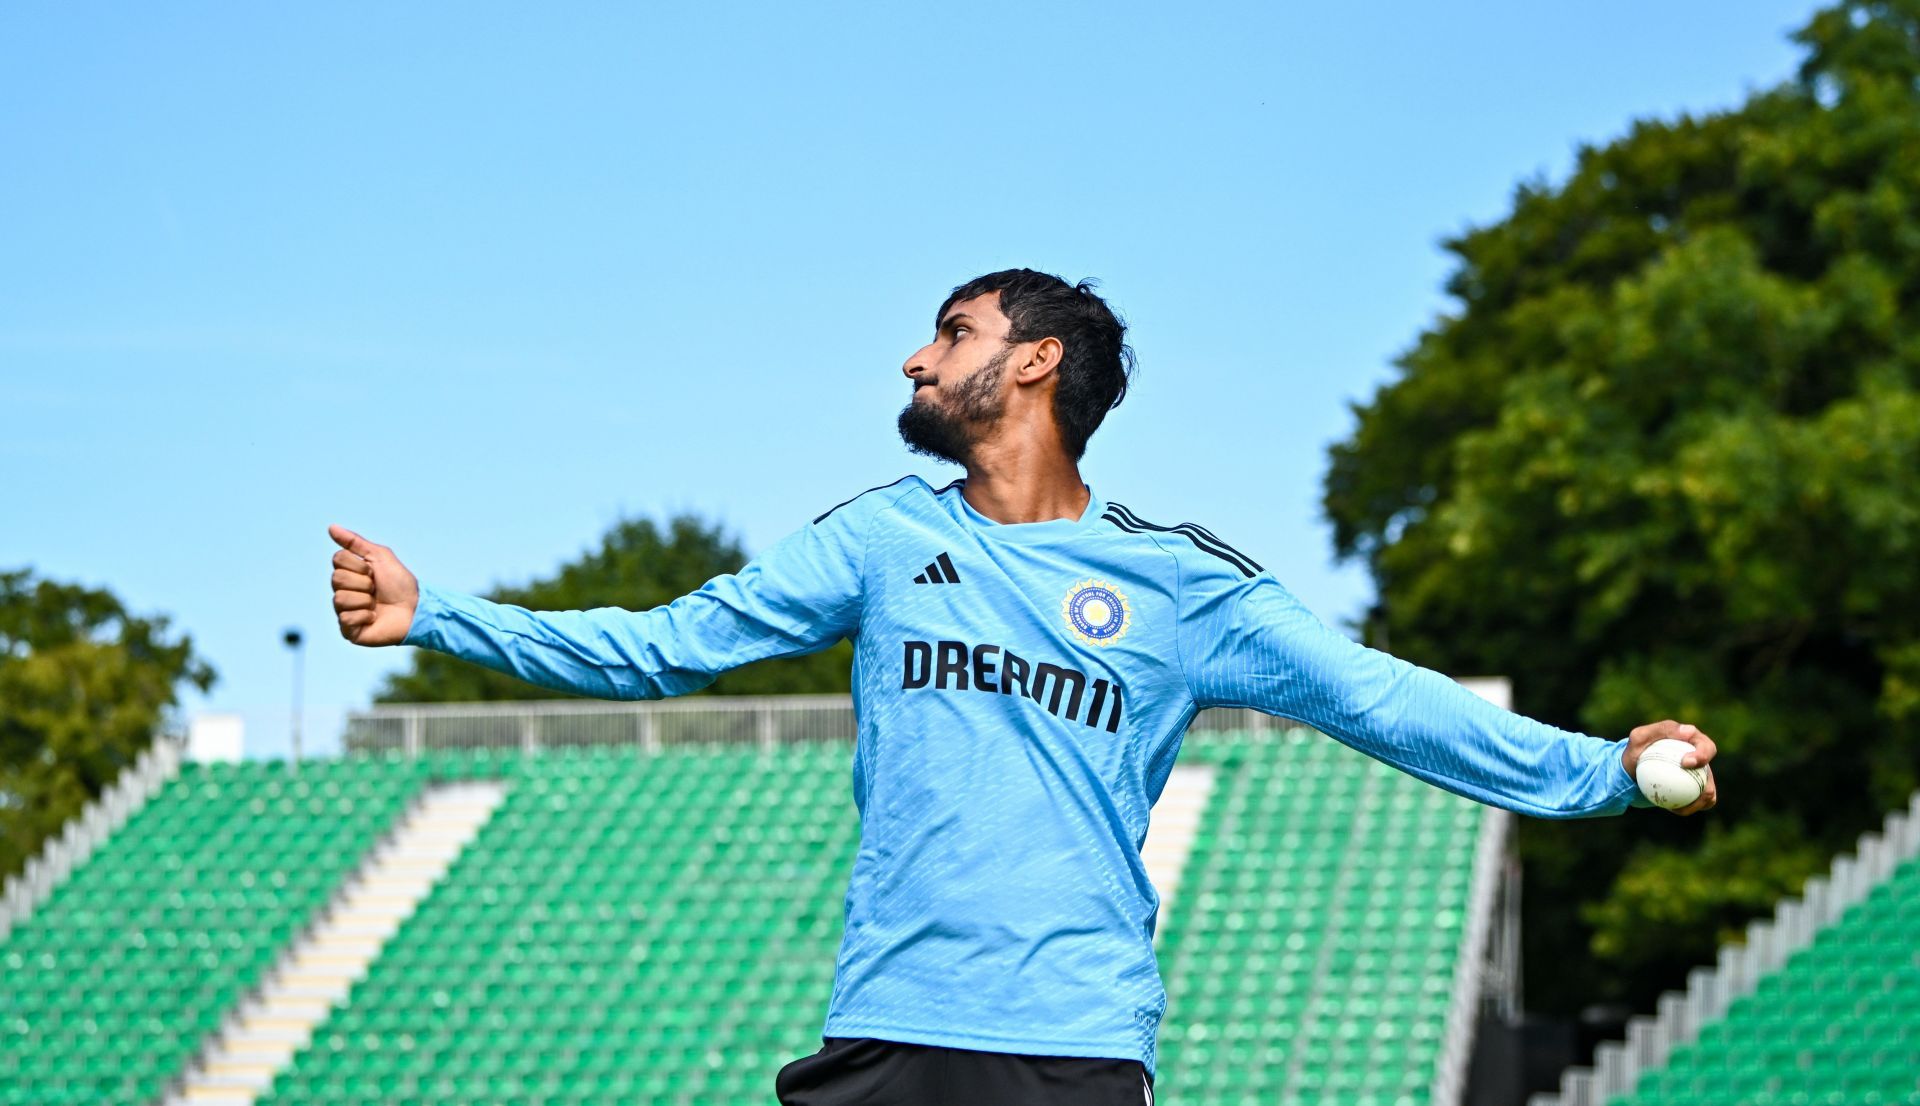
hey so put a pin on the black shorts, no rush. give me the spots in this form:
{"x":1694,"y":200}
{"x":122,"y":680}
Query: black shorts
{"x":863,"y":1071}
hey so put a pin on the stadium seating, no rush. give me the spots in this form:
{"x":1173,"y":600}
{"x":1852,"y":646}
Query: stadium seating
{"x":1839,"y":1025}
{"x":634,"y":927}
{"x":107,"y":991}
{"x":626,"y":928}
{"x":1312,"y":954}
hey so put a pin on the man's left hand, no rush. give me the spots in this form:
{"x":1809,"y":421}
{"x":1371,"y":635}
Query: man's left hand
{"x":1703,"y":749}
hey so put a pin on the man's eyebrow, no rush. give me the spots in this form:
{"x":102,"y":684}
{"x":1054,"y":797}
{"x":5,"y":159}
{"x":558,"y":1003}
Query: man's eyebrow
{"x":952,"y":319}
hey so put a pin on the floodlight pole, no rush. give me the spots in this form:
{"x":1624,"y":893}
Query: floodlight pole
{"x":292,"y":638}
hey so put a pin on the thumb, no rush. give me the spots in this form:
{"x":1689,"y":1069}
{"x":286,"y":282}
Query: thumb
{"x":350,"y":541}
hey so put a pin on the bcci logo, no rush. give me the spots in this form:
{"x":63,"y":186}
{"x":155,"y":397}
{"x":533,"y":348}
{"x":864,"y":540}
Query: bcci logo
{"x":1098,"y":614}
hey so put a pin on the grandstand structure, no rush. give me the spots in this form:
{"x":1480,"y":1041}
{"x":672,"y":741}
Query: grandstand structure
{"x":597,"y":903}
{"x":1818,"y":1005}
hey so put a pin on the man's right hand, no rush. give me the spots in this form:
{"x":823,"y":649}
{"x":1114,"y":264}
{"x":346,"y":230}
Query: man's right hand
{"x":373,"y":593}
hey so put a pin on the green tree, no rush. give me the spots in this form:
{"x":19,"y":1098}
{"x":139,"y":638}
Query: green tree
{"x":1664,"y":461}
{"x":84,"y":686}
{"x":637,"y":566}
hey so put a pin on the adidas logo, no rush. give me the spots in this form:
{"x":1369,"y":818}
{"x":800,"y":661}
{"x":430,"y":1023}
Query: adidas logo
{"x":933,"y":575}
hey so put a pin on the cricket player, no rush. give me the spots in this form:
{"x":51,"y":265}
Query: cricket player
{"x":1027,"y":656}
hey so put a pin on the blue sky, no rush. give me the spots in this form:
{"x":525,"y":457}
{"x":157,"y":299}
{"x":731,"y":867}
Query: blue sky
{"x":477,"y":281}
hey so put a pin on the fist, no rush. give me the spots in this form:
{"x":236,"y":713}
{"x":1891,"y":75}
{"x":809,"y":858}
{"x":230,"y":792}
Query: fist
{"x":1703,"y":750}
{"x":373,"y":593}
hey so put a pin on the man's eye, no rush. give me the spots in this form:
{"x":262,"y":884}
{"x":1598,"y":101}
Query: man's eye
{"x":957,"y":330}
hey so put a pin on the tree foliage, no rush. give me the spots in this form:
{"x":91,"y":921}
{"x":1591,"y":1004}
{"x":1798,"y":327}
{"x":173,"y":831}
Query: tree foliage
{"x":1664,"y":461}
{"x":637,"y":566}
{"x":84,"y":686}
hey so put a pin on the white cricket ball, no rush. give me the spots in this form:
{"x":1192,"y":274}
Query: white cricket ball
{"x":1663,"y":781}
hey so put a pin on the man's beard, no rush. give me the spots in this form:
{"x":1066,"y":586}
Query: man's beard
{"x":950,"y":431}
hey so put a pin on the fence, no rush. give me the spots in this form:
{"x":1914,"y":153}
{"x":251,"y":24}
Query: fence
{"x":768,"y":720}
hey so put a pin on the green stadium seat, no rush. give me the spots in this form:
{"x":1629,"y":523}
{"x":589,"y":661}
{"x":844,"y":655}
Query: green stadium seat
{"x":647,"y":928}
{"x":173,"y":918}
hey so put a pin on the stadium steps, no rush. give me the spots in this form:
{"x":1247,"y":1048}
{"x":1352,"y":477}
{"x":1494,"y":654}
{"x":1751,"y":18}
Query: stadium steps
{"x":1170,"y":834}
{"x":321,"y":969}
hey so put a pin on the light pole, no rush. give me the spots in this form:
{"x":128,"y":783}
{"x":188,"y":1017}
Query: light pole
{"x":292,"y":638}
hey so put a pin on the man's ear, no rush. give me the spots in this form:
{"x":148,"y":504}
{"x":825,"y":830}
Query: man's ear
{"x":1044,"y":359}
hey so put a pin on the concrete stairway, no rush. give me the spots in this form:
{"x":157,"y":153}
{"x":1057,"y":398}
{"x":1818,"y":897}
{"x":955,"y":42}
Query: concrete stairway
{"x":319,"y":970}
{"x":1176,"y":820}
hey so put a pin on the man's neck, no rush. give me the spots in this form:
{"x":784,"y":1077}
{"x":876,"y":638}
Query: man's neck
{"x":1010,"y":484}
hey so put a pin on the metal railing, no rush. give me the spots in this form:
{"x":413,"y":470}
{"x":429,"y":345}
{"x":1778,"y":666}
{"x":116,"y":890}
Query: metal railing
{"x":1617,"y":1065}
{"x":655,"y":724}
{"x":84,"y":832}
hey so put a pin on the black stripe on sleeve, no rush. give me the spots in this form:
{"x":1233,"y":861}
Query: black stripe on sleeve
{"x":1199,"y":533}
{"x":821,"y":517}
{"x":1120,"y":516}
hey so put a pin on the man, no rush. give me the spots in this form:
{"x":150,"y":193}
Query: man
{"x":1028,"y":655}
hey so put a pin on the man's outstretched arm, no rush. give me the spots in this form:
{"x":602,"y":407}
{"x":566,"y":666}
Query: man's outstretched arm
{"x":800,"y":596}
{"x":1249,"y":642}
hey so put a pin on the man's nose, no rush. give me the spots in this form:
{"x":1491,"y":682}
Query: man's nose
{"x":917,"y":363}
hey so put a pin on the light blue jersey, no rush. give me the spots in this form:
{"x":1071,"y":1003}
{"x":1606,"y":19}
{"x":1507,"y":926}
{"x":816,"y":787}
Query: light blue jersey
{"x":1022,"y":691}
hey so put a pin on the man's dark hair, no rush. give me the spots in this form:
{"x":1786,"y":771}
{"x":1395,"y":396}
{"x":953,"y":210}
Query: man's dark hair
{"x":1095,"y":364}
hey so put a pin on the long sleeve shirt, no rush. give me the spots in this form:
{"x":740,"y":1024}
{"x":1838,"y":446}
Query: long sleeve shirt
{"x":1021,"y":693}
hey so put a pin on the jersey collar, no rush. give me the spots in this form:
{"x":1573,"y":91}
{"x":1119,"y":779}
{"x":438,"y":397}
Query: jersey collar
{"x":1051,"y":530}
